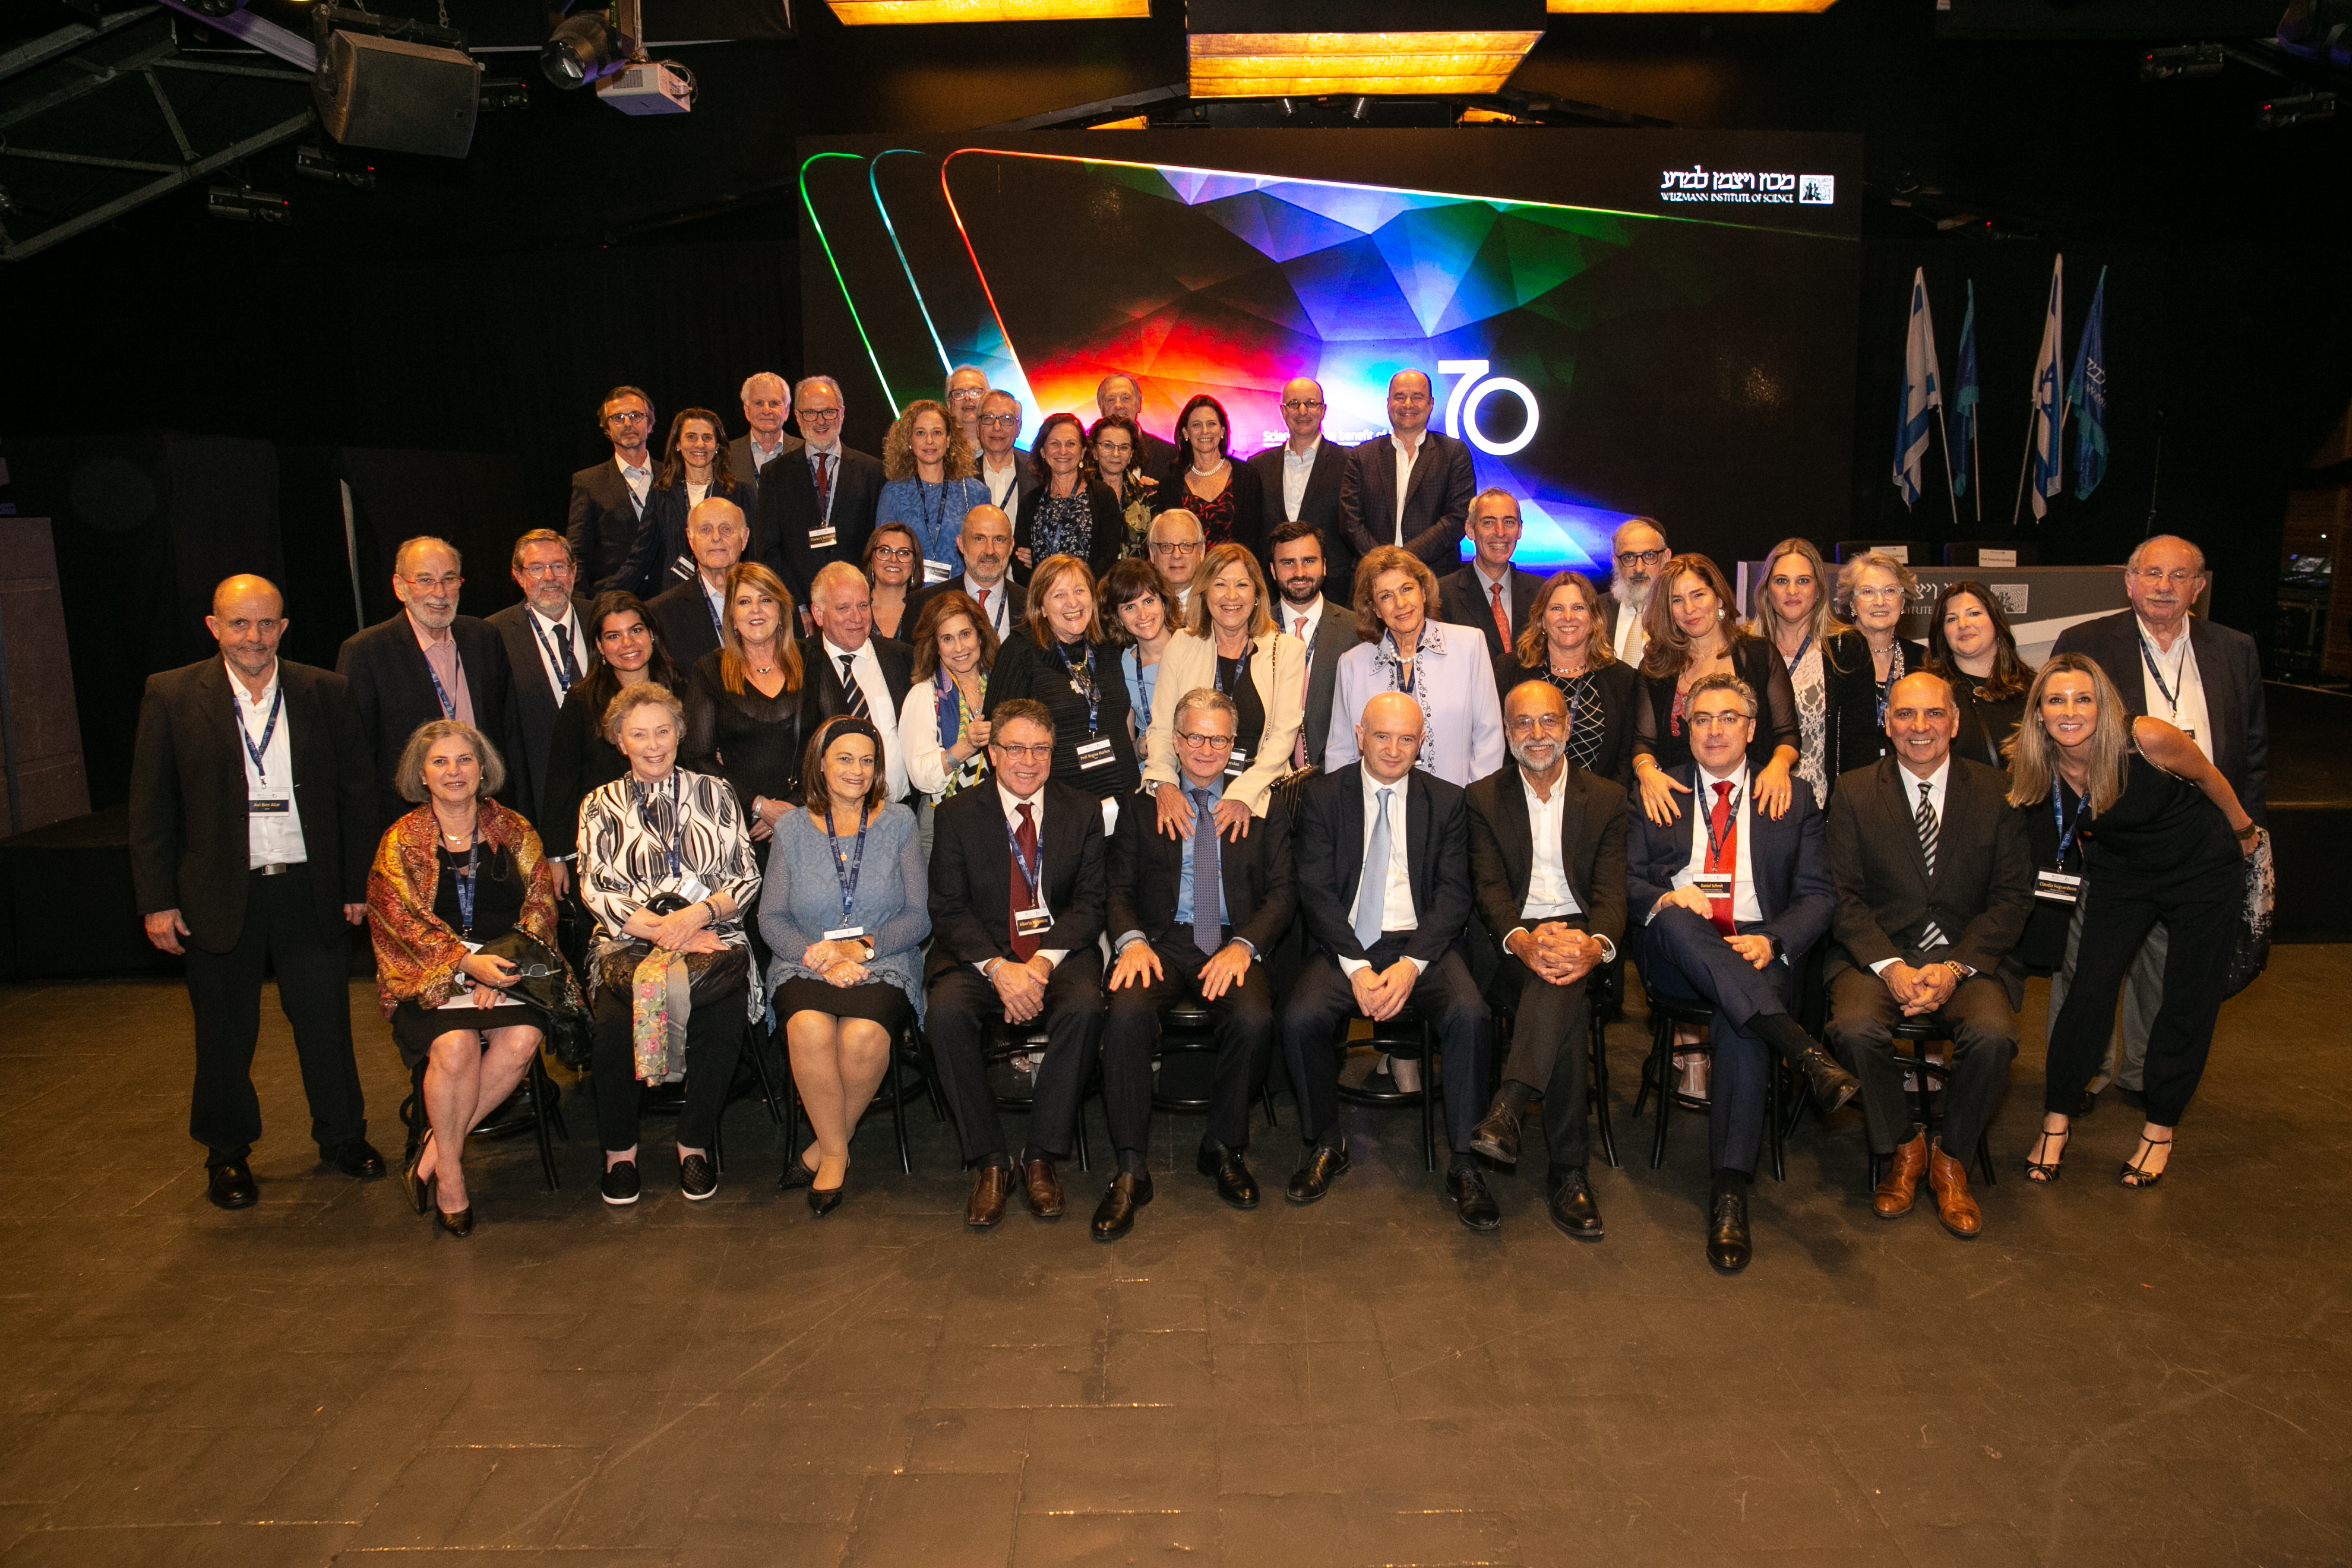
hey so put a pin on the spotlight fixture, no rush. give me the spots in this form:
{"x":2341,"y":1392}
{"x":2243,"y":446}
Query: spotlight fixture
{"x":868,"y":12}
{"x":583,"y":49}
{"x":2303,"y":108}
{"x":1312,"y":48}
{"x":216,"y":7}
{"x":2182,"y":62}
{"x":243,"y":204}
{"x":320,"y":164}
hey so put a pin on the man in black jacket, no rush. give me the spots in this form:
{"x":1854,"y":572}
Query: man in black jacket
{"x":1017,"y":908}
{"x":985,"y":541}
{"x":1300,"y":478}
{"x":846,"y":668}
{"x":691,"y":613}
{"x":1490,"y":593}
{"x":816,"y":505}
{"x":1327,"y":625}
{"x":1383,"y":880}
{"x":250,"y":837}
{"x":1435,"y":490}
{"x":548,"y":647}
{"x":608,"y":499}
{"x":1193,"y":917}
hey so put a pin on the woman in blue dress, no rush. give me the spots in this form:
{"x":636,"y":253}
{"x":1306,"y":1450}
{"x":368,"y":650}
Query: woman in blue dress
{"x":931,"y":480}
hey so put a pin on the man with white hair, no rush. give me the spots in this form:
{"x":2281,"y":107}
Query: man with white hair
{"x":765,"y":399}
{"x":1121,"y":394}
{"x":1002,"y":467}
{"x":691,"y":613}
{"x":819,"y":508}
{"x":1637,"y":550}
{"x":848,"y":669}
{"x":966,"y":385}
{"x":1177,"y":545}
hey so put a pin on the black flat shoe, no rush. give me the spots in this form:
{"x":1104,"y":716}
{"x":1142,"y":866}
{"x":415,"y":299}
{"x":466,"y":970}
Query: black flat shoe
{"x":358,"y":1158}
{"x":1571,"y":1206}
{"x":419,"y":1188}
{"x":1727,"y":1245}
{"x":459,"y":1224}
{"x":1115,"y":1216}
{"x":1473,"y":1204}
{"x":697,"y":1179}
{"x":823,"y":1200}
{"x":230,"y":1186}
{"x":620,"y":1187}
{"x":1324,"y":1162}
{"x":1236,"y":1186}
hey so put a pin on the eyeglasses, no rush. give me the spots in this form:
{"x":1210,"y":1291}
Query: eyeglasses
{"x":1302,"y":404}
{"x":1013,"y":753}
{"x":893,"y":552}
{"x":1522,"y":723}
{"x":818,"y":416}
{"x":632,"y":417}
{"x":1000,"y":420}
{"x":2156,"y":576}
{"x":1640,"y":557}
{"x":1180,"y":547}
{"x":1883,"y":591}
{"x":1725,"y":719}
{"x":961,"y":393}
{"x":1208,"y":742}
{"x":449,"y":580}
{"x":547,"y":568}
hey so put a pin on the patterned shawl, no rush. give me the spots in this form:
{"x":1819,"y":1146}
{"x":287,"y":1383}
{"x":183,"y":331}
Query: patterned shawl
{"x":416,"y":956}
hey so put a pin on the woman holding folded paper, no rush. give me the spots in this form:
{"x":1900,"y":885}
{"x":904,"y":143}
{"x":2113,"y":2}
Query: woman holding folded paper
{"x":669,"y":870}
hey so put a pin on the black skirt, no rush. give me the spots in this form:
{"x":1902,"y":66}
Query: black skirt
{"x":413,"y":1029}
{"x":877,"y":1001}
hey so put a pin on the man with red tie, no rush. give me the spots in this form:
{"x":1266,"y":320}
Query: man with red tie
{"x":1730,"y":899}
{"x":1490,"y":593}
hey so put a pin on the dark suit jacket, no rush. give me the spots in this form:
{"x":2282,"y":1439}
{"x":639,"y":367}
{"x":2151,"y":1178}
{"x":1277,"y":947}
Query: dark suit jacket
{"x":188,"y":815}
{"x":1016,"y":599}
{"x":392,"y":688}
{"x":1329,"y":846}
{"x":1249,"y":505}
{"x":823,"y":695}
{"x":971,"y":876}
{"x":2232,"y":670}
{"x":1437,"y":504}
{"x":1790,"y":859}
{"x":1163,"y":459}
{"x":788,"y":513}
{"x":1462,"y":600}
{"x":1619,"y":687}
{"x":1592,"y":842}
{"x":1146,"y":867}
{"x":533,"y":705}
{"x":1107,"y":539}
{"x":1980,"y":897}
{"x":1335,"y":634}
{"x":661,"y":543}
{"x":602,"y":525}
{"x":1319,"y":506}
{"x":684,"y":616}
{"x":739,"y":455}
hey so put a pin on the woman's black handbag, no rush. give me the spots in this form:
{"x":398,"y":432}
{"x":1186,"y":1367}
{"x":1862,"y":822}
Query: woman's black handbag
{"x":539,"y":985}
{"x":2250,"y":952}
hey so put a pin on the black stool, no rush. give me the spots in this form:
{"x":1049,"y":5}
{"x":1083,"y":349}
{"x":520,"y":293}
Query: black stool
{"x":1657,"y":1075}
{"x":1931,"y":1075}
{"x":1006,"y":1041}
{"x":1407,"y":1034}
{"x":906,"y":1055}
{"x":1189,"y":1029}
{"x":544,"y":1108}
{"x":1596,"y":1056}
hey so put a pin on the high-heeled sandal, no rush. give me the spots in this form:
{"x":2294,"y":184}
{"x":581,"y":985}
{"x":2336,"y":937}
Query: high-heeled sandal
{"x":2048,"y":1170}
{"x":2133,"y":1177}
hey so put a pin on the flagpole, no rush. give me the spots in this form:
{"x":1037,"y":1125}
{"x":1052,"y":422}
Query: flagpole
{"x":2018,"y":507}
{"x":1976,"y":463}
{"x":1950,"y":494}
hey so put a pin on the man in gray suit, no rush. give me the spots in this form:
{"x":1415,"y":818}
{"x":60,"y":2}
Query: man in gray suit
{"x":1411,"y":487}
{"x":549,"y":649}
{"x":1328,"y":629}
{"x":766,"y":400}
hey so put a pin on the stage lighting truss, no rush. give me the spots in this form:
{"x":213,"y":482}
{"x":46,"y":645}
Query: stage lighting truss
{"x":871,"y":13}
{"x":605,"y":50}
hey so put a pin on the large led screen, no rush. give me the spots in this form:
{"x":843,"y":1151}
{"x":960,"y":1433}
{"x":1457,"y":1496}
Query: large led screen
{"x":1618,"y":324}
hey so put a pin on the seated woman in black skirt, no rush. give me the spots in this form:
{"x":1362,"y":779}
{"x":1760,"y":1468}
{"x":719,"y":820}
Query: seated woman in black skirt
{"x":845,"y":906}
{"x":449,"y":876}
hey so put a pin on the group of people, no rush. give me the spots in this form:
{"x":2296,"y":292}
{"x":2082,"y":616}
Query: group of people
{"x":1026,"y":748}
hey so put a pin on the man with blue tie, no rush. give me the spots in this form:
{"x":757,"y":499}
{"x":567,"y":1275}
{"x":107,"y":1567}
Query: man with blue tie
{"x":1383,"y":876}
{"x":1730,"y":899}
{"x":1191,"y":916}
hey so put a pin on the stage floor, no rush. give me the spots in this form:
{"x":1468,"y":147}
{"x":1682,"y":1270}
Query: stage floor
{"x":2105,"y":1377}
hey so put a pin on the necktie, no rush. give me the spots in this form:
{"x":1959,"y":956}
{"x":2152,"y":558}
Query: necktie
{"x":984,"y":613}
{"x":566,"y":665}
{"x":824,"y":487}
{"x":1372,"y":894}
{"x":1299,"y":747}
{"x":855,"y":692}
{"x":1631,"y":652}
{"x":1722,"y":853}
{"x":1208,"y":924}
{"x":1024,"y":895}
{"x":1502,"y":616}
{"x":1931,"y":935}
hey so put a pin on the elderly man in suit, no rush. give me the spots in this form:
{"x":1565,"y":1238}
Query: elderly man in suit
{"x":820,"y":507}
{"x":691,"y":613}
{"x":986,"y":542}
{"x":765,"y":399}
{"x":848,"y":669}
{"x":1411,"y":487}
{"x":1326,"y":627}
{"x":1730,"y":899}
{"x":1017,"y":908}
{"x":1000,"y":464}
{"x":965,"y":390}
{"x":547,"y":649}
{"x":1935,"y":880}
{"x":2206,"y":681}
{"x":427,"y":662}
{"x":1490,"y":593}
{"x":609,"y":499}
{"x":1636,"y":552}
{"x":1548,"y":859}
{"x":1383,"y":880}
{"x":1300,"y":478}
{"x":1120,"y":394}
{"x":252,"y":824}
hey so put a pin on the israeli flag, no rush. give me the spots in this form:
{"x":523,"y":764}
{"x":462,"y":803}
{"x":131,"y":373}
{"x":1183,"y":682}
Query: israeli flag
{"x":1923,"y":390}
{"x":1964,"y":396}
{"x":2086,"y":389}
{"x":2049,"y":411}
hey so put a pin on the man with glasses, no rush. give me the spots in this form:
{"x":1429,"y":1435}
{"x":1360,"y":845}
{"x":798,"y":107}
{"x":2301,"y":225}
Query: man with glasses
{"x":1177,"y":547}
{"x":1637,"y":550}
{"x":821,"y":508}
{"x":2206,"y":681}
{"x":1002,"y":469}
{"x":1120,"y":394}
{"x":691,"y":613}
{"x":1411,"y":487}
{"x":967,"y":387}
{"x":1300,"y":478}
{"x":548,"y":650}
{"x":609,"y":499}
{"x":427,"y":662}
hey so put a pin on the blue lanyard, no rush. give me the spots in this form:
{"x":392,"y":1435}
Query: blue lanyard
{"x":1029,"y":873}
{"x":931,"y":519}
{"x":1089,"y":690}
{"x":277,"y":702}
{"x":448,"y":708}
{"x":558,"y":653}
{"x":1800,"y":650}
{"x":675,"y":840}
{"x":718,"y":623}
{"x":1241,"y":668}
{"x":466,"y":884}
{"x":2147,"y":657}
{"x":848,"y":879}
{"x":2066,"y":830}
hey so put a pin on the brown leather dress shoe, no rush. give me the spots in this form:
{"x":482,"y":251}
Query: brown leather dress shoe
{"x":989,"y":1188}
{"x":1893,"y":1198}
{"x":1042,"y":1187}
{"x":1948,"y":1179}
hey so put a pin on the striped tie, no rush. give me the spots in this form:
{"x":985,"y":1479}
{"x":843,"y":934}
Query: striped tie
{"x":1933,"y":934}
{"x":856,"y":694}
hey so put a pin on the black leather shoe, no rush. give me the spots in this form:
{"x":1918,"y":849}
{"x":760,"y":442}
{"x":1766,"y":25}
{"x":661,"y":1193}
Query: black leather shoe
{"x":1727,"y":1234}
{"x":459,"y":1224}
{"x":1466,"y":1185}
{"x":823,"y":1200}
{"x":1831,"y":1084}
{"x":231,"y":1187}
{"x":419,"y":1188}
{"x":695,"y":1178}
{"x":358,"y":1158}
{"x":1323,"y":1162}
{"x":1571,"y":1206}
{"x":1115,"y":1216}
{"x":1497,"y":1136}
{"x":797,"y":1173}
{"x":1234,"y":1182}
{"x":621,"y":1185}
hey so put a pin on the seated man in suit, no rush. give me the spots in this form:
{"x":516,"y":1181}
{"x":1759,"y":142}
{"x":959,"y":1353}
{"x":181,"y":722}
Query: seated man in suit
{"x":1017,"y":906}
{"x":817,"y":506}
{"x":850,"y":671}
{"x":1192,"y":917}
{"x":548,"y":650}
{"x":691,"y":613}
{"x":1383,"y":880}
{"x":1411,"y":486}
{"x":1300,"y":478}
{"x":1328,"y":627}
{"x":608,"y":499}
{"x":1490,"y":593}
{"x":1935,"y":880}
{"x":1548,"y":859}
{"x":985,"y":541}
{"x":1730,"y":899}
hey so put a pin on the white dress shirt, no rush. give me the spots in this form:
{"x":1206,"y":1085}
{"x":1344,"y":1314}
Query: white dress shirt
{"x":1297,"y":468}
{"x":1003,"y":483}
{"x":2185,"y":711}
{"x":1744,"y":904}
{"x":1404,"y":459}
{"x":1486,"y":585}
{"x":997,"y":607}
{"x":1011,"y":805}
{"x":1911,"y":783}
{"x":548,"y":635}
{"x":639,"y":479}
{"x":1303,"y":624}
{"x":1396,"y":904}
{"x":867,"y":669}
{"x":1549,"y":894}
{"x":273,"y":834}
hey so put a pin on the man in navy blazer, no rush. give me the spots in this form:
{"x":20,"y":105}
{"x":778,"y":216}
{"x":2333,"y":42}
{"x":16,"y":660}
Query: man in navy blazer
{"x":1385,"y":936}
{"x":1439,"y":480}
{"x":1300,"y":478}
{"x":1490,"y":584}
{"x":1730,"y":900}
{"x":549,"y":649}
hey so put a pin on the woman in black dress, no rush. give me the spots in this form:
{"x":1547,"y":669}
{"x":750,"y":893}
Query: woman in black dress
{"x":2164,"y":841}
{"x":1690,"y":632}
{"x":1225,"y":495}
{"x":1562,"y":643}
{"x":1860,"y":668}
{"x":743,"y":704}
{"x":1970,"y":644}
{"x":629,"y":649}
{"x":1062,"y":659}
{"x":1068,"y":513}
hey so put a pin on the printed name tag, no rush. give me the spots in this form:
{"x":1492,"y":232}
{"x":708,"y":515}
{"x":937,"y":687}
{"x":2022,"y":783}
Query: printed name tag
{"x":1236,"y":764}
{"x":937,"y":570}
{"x":682,"y":568}
{"x":1033,"y":921}
{"x":847,"y":934}
{"x":1713,"y":884}
{"x":270,"y":804}
{"x":822,"y":538}
{"x":691,"y":890}
{"x":2058,"y":887}
{"x":1094,"y":754}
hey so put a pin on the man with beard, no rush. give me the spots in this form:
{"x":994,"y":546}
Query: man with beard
{"x":1638,"y":549}
{"x":1325,"y":626}
{"x":548,"y":650}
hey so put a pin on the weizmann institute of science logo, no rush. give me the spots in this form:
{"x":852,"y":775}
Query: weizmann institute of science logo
{"x":1769,"y":188}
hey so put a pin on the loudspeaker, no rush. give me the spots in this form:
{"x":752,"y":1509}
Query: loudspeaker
{"x":402,"y":96}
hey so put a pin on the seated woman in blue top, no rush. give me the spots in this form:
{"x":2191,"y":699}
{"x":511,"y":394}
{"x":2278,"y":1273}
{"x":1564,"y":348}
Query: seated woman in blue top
{"x":930,"y":481}
{"x":845,"y":904}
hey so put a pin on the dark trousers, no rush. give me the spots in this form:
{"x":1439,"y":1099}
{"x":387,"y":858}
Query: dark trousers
{"x":1983,"y":1033}
{"x":1446,"y":995}
{"x":714,"y":1039}
{"x":1243,"y":1017}
{"x":1684,"y":956}
{"x":962,"y":1004}
{"x":281,"y":934}
{"x":1551,"y":1029}
{"x":2201,"y":919}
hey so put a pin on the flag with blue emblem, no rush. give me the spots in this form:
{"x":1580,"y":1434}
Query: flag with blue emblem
{"x":2048,"y":412}
{"x":1922,"y":390}
{"x":2086,"y":390}
{"x":1964,"y":400}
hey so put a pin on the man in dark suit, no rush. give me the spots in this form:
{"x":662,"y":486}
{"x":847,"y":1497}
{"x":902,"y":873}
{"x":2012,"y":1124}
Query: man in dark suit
{"x":1637,"y":553}
{"x":1548,"y":860}
{"x":549,"y":648}
{"x":1000,"y":463}
{"x":1730,"y":900}
{"x":690,"y":613}
{"x":1120,"y":394}
{"x":1490,"y":593}
{"x":1300,"y":478}
{"x":986,"y":542}
{"x":819,"y":506}
{"x":1383,"y":880}
{"x":427,"y":662}
{"x":251,"y":832}
{"x":1436,"y":484}
{"x":1017,"y":907}
{"x":1193,"y":917}
{"x":1934,"y":883}
{"x":765,"y":399}
{"x":2204,"y":680}
{"x":609,"y":499}
{"x":1328,"y":627}
{"x":848,"y":669}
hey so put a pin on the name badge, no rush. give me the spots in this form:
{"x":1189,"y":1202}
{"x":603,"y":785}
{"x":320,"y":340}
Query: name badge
{"x":937,"y":570}
{"x":691,"y":890}
{"x":1094,"y":754}
{"x":1237,"y":764}
{"x":847,"y":934}
{"x":822,"y":538}
{"x":2058,"y":887}
{"x":1034,"y":922}
{"x":683,"y":568}
{"x":1713,"y":884}
{"x":270,"y":804}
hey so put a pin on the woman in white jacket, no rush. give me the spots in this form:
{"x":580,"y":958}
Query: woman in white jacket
{"x":1229,"y":643}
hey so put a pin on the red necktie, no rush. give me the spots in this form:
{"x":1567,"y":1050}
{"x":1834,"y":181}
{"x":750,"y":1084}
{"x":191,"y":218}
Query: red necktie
{"x":1502,"y":616}
{"x":983,"y":610}
{"x":1024,"y":895}
{"x":823,"y":487}
{"x":1722,"y":853}
{"x":1299,"y":747}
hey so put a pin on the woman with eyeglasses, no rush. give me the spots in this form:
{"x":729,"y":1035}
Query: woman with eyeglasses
{"x":1062,"y":659}
{"x":580,"y":759}
{"x":891,"y":555}
{"x":1230,"y":646}
{"x":1688,"y":631}
{"x":1970,"y":644}
{"x":1859,"y":672}
{"x":1226,"y":496}
{"x":1111,"y":445}
{"x":1068,"y":513}
{"x":929,"y":480}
